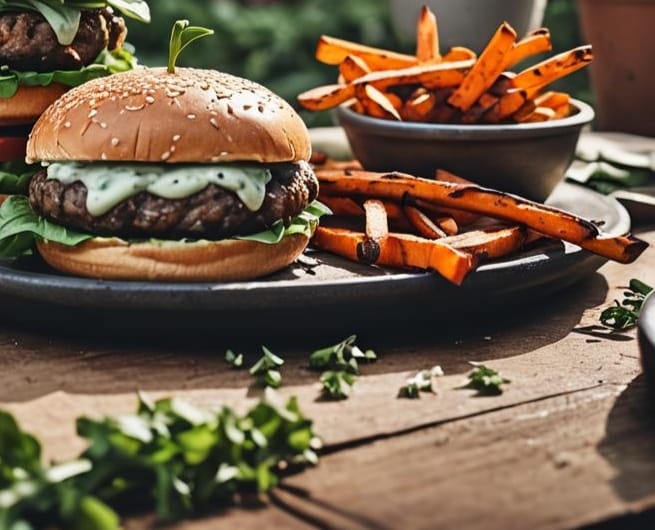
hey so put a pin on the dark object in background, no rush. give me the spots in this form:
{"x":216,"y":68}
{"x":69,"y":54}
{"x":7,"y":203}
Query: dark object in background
{"x":622,"y":76}
{"x":647,"y":340}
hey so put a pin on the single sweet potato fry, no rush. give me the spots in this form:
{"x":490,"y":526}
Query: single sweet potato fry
{"x":544,"y":219}
{"x":352,"y":68}
{"x":554,"y":68}
{"x":376,"y":103}
{"x":490,"y":243}
{"x":427,"y":36}
{"x":486,"y":69}
{"x":331,"y":50}
{"x":431,"y":76}
{"x":422,"y":223}
{"x":326,"y":97}
{"x":506,"y":106}
{"x":537,"y":42}
{"x":397,"y":250}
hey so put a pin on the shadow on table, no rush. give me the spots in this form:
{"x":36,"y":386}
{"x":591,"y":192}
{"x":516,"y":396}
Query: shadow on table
{"x":34,"y":365}
{"x":628,"y":446}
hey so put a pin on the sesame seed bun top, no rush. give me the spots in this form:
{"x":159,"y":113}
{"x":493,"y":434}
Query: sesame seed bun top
{"x":149,"y":115}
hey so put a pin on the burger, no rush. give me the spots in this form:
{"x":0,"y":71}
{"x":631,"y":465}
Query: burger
{"x":46,"y":47}
{"x":194,"y":175}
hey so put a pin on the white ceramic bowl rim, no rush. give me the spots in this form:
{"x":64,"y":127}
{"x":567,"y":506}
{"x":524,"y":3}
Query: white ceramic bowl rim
{"x":583,"y":116}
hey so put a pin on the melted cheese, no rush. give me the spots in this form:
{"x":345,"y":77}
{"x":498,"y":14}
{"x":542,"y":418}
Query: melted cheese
{"x":110,"y":184}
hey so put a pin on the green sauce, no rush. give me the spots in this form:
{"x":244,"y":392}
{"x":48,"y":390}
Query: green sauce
{"x":110,"y":184}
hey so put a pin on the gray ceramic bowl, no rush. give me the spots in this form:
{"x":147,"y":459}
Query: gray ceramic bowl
{"x":528,"y":159}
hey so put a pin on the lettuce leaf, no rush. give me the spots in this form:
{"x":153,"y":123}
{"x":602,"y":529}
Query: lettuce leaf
{"x":15,"y":177}
{"x":305,"y":223}
{"x":21,"y":227}
{"x":107,"y":63}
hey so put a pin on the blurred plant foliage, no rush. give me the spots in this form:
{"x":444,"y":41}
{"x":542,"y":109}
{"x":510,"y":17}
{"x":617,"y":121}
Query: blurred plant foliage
{"x":274,"y":42}
{"x":562,"y":19}
{"x":271,"y":43}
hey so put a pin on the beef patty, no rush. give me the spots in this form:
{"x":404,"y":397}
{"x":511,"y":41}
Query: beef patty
{"x":213,"y":213}
{"x":28,"y":43}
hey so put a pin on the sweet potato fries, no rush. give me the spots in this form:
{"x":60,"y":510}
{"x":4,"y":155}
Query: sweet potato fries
{"x":448,"y":224}
{"x":455,"y":87}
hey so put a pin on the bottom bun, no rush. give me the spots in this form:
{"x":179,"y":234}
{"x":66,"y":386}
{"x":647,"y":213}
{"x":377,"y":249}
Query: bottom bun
{"x":27,"y":105}
{"x":228,"y":260}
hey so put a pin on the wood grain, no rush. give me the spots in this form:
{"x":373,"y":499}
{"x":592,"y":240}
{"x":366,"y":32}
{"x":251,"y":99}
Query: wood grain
{"x":567,"y":383}
{"x":549,"y":465}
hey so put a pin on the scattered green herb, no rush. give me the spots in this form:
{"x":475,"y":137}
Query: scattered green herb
{"x":181,"y":36}
{"x":234,"y":360}
{"x":337,"y":384}
{"x":344,"y":356}
{"x":421,"y":382}
{"x":486,"y":381}
{"x":173,"y":457}
{"x":341,"y":365}
{"x":266,"y":368}
{"x":625,"y":315}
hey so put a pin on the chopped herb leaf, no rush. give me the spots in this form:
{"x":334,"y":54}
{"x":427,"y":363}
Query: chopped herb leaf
{"x":337,"y":384}
{"x":486,"y":381}
{"x":344,"y":356}
{"x":266,"y":368}
{"x":421,"y":382}
{"x":625,"y":315}
{"x":234,"y":360}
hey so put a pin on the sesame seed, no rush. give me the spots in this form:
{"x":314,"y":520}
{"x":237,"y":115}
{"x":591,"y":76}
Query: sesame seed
{"x":103,"y":156}
{"x":150,"y":100}
{"x":93,"y":113}
{"x":166,"y":155}
{"x":191,"y":116}
{"x":103,"y":125}
{"x":172,"y":149}
{"x":115,"y":141}
{"x":214,"y":123}
{"x":68,"y":125}
{"x":176,"y":138}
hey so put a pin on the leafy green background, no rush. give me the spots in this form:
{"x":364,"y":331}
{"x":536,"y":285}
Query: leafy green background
{"x":273,"y":42}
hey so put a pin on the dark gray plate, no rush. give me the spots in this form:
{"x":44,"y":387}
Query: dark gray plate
{"x":321,"y":290}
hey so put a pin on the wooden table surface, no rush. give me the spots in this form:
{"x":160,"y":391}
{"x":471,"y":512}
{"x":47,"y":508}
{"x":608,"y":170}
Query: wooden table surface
{"x":570,"y":444}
